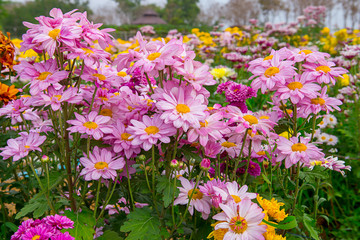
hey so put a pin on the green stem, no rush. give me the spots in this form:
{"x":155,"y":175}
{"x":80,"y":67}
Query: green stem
{"x":108,"y":199}
{"x":128,"y":180}
{"x":97,"y":197}
{"x":240,"y":154}
{"x":247,"y":164}
{"x":296,"y":187}
{"x":173,"y":198}
{"x":149,"y":82}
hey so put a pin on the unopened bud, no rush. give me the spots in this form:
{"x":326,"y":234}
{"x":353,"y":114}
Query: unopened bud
{"x":141,"y":158}
{"x":205,"y":164}
{"x":174,"y":163}
{"x":45,"y":159}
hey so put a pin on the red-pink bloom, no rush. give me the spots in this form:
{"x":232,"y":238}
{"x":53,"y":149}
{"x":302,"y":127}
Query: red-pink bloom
{"x":323,"y":73}
{"x":100,"y":163}
{"x":293,"y":151}
{"x":59,"y":222}
{"x":92,"y":124}
{"x":182,"y":109}
{"x":20,"y":147}
{"x":149,"y":131}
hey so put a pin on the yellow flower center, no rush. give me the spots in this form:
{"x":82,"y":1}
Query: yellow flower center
{"x":289,"y":111}
{"x":196,"y":195}
{"x":323,"y":138}
{"x":151,"y":130}
{"x":237,"y":199}
{"x":261,"y":153}
{"x":204,"y":124}
{"x":130,"y":108}
{"x":298,"y":147}
{"x":271,"y":71}
{"x":153,"y":56}
{"x":182,"y":108}
{"x":238,"y":224}
{"x":106,"y":112}
{"x":268,"y":57}
{"x":26,"y":96}
{"x":54,"y":33}
{"x":27,"y":146}
{"x":306,"y":51}
{"x":90,"y":125}
{"x":87,"y":51}
{"x":228,"y":144}
{"x":122,"y":74}
{"x":295,"y":85}
{"x":325,"y":69}
{"x":330,"y":139}
{"x":101,"y":165}
{"x":99,"y":76}
{"x":125,"y":136}
{"x":58,"y":97}
{"x":264,"y":117}
{"x":318,"y":101}
{"x":43,"y":75}
{"x":36,"y":237}
{"x":251,"y":119}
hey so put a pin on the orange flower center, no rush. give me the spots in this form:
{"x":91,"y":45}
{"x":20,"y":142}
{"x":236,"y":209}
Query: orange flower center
{"x":295,"y":85}
{"x":27,"y":146}
{"x":101,"y":165}
{"x":196,"y":195}
{"x":58,"y":97}
{"x":261,"y":153}
{"x":228,"y":144}
{"x":306,"y":51}
{"x":238,"y":224}
{"x":36,"y":237}
{"x":90,"y":125}
{"x":318,"y":101}
{"x":153,"y":56}
{"x":106,"y":112}
{"x":125,"y":136}
{"x":99,"y":76}
{"x":204,"y":124}
{"x":264,"y":117}
{"x":251,"y":119}
{"x":237,"y":199}
{"x":298,"y":147}
{"x":43,"y":75}
{"x":182,"y":108}
{"x":271,"y":71}
{"x":268,"y":57}
{"x":54,"y":33}
{"x":325,"y":69}
{"x":87,"y":51}
{"x":152,"y":130}
{"x":122,"y":74}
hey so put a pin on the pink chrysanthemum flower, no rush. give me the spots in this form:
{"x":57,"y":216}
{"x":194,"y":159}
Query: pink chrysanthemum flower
{"x":39,"y":232}
{"x":242,"y":220}
{"x":91,"y":56}
{"x":199,"y":200}
{"x":182,"y":109}
{"x":121,"y":141}
{"x":62,"y":236}
{"x":100,"y":163}
{"x":297,"y":89}
{"x":232,"y":192}
{"x":21,"y":146}
{"x":308,"y":55}
{"x":233,"y":149}
{"x":323,"y":73}
{"x":58,"y":221}
{"x":54,"y":97}
{"x":293,"y":151}
{"x":149,"y":131}
{"x":92,"y":124}
{"x":17,"y":109}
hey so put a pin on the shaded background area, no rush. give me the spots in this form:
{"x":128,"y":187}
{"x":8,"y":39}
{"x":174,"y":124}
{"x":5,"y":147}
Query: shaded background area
{"x":180,"y":13}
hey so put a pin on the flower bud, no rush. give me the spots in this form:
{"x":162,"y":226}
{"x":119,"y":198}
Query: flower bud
{"x":141,"y":158}
{"x":45,"y":159}
{"x":174,"y":163}
{"x":205,"y":164}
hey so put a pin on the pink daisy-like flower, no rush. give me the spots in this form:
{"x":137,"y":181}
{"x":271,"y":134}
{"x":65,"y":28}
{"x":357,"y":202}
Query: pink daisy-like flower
{"x":91,"y":56}
{"x":232,"y":192}
{"x":294,"y":151}
{"x":100,"y":163}
{"x":233,"y":149}
{"x":54,"y":97}
{"x":297,"y":89}
{"x":92,"y":124}
{"x":17,"y":109}
{"x":59,"y":222}
{"x":39,"y":232}
{"x":182,"y":109}
{"x":21,"y":146}
{"x":242,"y":220}
{"x":149,"y":131}
{"x":62,"y":236}
{"x":308,"y":55}
{"x":199,"y":200}
{"x":323,"y":73}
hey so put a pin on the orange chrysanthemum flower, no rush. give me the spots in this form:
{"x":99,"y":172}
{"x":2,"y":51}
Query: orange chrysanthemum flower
{"x":7,"y":51}
{"x":7,"y":93}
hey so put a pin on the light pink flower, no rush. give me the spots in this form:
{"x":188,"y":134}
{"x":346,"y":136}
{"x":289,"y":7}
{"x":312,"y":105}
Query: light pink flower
{"x":232,"y":192}
{"x":199,"y":200}
{"x":55,"y":97}
{"x":149,"y":131}
{"x":92,"y":124}
{"x":323,"y":73}
{"x":100,"y":163}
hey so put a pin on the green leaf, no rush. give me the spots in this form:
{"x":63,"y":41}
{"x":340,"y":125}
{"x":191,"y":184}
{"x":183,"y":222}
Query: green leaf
{"x":142,"y":225}
{"x":266,"y":179}
{"x":83,"y":225}
{"x":310,"y":226}
{"x":55,"y":178}
{"x":166,"y":188}
{"x":289,"y":223}
{"x":110,"y":235}
{"x":41,"y":210}
{"x":12,"y":226}
{"x":36,"y":205}
{"x":312,"y":175}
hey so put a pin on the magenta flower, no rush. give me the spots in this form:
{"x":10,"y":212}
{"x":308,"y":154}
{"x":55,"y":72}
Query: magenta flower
{"x":242,"y":220}
{"x":100,"y":163}
{"x":294,"y":151}
{"x":323,"y":73}
{"x":20,"y":147}
{"x":297,"y":89}
{"x":62,"y":236}
{"x":182,"y":109}
{"x":39,"y":232}
{"x":199,"y":200}
{"x":149,"y":131}
{"x":59,"y":222}
{"x":92,"y":124}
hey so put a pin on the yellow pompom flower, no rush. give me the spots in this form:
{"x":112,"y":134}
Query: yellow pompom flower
{"x":325,"y":31}
{"x":344,"y":80}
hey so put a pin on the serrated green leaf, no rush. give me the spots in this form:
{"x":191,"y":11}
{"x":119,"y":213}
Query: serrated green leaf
{"x":166,"y":188}
{"x":55,"y":178}
{"x":82,"y":229}
{"x":142,"y":225}
{"x":32,"y":206}
{"x":309,"y":223}
{"x":289,"y":223}
{"x":41,"y":210}
{"x":110,"y":235}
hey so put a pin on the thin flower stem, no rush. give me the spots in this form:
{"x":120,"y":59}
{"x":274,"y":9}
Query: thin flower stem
{"x":296,"y":187}
{"x":313,"y":127}
{"x":240,"y":154}
{"x":316,"y":197}
{"x":247,"y":165}
{"x":173,"y":198}
{"x":97,"y":197}
{"x":93,"y":98}
{"x":108,"y":199}
{"x":146,"y":176}
{"x":128,"y":180}
{"x":149,"y":82}
{"x":153,"y":170}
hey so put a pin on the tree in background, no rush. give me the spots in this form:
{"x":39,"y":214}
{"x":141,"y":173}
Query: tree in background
{"x":181,"y":11}
{"x":17,"y":13}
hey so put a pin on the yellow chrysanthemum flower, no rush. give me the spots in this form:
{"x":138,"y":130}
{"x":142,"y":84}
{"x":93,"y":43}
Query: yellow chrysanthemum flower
{"x":217,"y":234}
{"x":344,"y":80}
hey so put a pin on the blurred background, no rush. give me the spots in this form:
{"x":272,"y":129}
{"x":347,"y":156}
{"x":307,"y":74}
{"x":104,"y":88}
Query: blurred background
{"x":127,"y":15}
